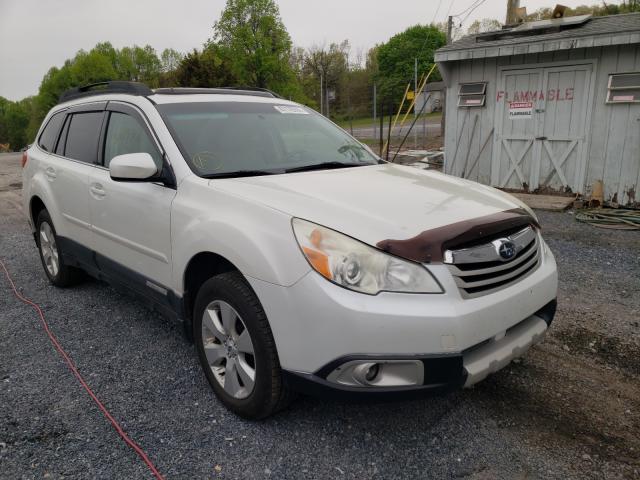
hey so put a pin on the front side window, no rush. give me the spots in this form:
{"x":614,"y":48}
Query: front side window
{"x":49,"y":135}
{"x":126,"y":135}
{"x":224,"y":138}
{"x":82,"y":137}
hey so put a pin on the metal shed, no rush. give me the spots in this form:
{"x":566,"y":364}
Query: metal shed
{"x":432,"y":96}
{"x":547,"y":106}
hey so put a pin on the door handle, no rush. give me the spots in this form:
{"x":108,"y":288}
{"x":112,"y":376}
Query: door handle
{"x":97,"y":190}
{"x":50,"y":172}
{"x":541,"y":138}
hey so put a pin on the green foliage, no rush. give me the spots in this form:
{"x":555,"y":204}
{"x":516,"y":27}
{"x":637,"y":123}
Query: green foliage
{"x":101,"y":63}
{"x":396,"y":58}
{"x":253,"y":38}
{"x":484,"y":25}
{"x":14,"y":120}
{"x":206,"y":68}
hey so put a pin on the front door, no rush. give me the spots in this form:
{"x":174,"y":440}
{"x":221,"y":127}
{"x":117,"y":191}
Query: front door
{"x":541,"y":124}
{"x":131,"y":221}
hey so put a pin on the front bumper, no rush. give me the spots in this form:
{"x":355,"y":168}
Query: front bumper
{"x":316,"y":323}
{"x":442,"y":373}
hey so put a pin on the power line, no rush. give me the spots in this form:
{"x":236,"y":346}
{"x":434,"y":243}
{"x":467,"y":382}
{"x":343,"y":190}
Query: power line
{"x":471,"y":11}
{"x":437,"y":10}
{"x":449,"y":10}
{"x":473,"y":5}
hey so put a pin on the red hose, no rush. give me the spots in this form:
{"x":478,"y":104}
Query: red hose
{"x":74,"y":370}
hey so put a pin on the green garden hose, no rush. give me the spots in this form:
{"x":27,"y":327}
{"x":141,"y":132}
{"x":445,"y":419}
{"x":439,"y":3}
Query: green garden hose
{"x":616,"y":219}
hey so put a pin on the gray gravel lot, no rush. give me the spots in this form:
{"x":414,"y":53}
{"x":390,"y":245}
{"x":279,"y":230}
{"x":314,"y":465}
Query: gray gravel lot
{"x":569,"y":409}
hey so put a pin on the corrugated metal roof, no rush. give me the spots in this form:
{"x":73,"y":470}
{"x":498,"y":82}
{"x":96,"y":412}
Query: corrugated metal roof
{"x":599,"y":31}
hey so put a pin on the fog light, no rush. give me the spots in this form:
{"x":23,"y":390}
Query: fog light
{"x":372,"y":373}
{"x":380,"y":374}
{"x":366,"y":372}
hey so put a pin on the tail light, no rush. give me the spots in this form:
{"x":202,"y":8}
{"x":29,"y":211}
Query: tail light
{"x":24,"y":158}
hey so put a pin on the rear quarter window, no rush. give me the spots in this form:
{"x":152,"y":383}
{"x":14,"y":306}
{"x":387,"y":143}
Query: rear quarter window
{"x":82,"y":138}
{"x":49,"y":135}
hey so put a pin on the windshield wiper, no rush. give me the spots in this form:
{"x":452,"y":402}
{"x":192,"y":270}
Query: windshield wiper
{"x":240,"y":173}
{"x":325,"y":166}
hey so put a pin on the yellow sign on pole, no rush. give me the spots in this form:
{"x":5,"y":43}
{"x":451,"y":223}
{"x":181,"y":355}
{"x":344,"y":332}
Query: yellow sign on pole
{"x":411,"y":95}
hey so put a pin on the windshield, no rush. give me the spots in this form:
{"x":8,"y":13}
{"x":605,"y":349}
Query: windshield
{"x":227,"y":138}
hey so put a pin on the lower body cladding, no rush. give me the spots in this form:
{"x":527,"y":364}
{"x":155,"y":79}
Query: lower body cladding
{"x":335,"y":342}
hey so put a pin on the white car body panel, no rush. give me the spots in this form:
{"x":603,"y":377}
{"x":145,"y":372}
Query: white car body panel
{"x":373,"y":203}
{"x":257,"y":239}
{"x":131,"y":224}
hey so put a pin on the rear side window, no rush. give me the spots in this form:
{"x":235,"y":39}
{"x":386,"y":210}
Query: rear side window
{"x":126,"y":135}
{"x":49,"y":135}
{"x":82,"y":137}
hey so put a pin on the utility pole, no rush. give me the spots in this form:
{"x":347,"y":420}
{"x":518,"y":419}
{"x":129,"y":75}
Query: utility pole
{"x":443,"y":121}
{"x":321,"y":95}
{"x":375,"y":110}
{"x":415,"y":102}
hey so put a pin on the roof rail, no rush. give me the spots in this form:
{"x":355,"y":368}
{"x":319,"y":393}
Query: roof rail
{"x":251,"y":91}
{"x":100,"y":88}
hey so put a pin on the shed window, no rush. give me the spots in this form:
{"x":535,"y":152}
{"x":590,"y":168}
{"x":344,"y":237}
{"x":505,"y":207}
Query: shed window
{"x":624,"y":88}
{"x":472,"y":94}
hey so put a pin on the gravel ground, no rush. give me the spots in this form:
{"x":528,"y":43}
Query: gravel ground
{"x":569,"y":409}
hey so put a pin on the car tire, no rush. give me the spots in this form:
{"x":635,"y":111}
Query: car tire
{"x":51,"y":254}
{"x":236,"y":348}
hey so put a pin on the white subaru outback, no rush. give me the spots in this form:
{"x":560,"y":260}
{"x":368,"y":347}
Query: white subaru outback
{"x":296,"y":258}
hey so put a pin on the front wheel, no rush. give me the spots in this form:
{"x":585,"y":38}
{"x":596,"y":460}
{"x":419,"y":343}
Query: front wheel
{"x":236,"y":347}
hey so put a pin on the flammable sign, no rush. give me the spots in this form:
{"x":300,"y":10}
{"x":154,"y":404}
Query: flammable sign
{"x":520,"y":110}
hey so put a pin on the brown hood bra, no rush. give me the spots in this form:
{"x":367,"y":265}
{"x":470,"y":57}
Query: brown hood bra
{"x":429,"y":246}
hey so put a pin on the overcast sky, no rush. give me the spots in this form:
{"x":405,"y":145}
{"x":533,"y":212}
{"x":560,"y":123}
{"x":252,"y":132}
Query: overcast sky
{"x":38,"y":34}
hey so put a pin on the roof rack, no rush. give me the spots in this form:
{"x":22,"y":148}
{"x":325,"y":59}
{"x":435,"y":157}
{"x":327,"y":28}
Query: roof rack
{"x":252,"y":91}
{"x":100,"y":88}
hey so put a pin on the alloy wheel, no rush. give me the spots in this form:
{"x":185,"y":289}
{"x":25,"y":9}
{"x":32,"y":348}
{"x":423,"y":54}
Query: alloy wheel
{"x":228,"y":349}
{"x":49,"y":249}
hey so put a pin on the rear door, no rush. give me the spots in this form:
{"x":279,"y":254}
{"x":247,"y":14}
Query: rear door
{"x":68,"y":169}
{"x":131,"y":220}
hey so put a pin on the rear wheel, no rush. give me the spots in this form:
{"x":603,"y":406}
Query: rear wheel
{"x":236,"y":347}
{"x":59,"y":274}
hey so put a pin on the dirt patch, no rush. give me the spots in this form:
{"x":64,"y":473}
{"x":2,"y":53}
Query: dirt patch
{"x":605,"y":349}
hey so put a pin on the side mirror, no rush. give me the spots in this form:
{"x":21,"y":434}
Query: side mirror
{"x":132,"y":167}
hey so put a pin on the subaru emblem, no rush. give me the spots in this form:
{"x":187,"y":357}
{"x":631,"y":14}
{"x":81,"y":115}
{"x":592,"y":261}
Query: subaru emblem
{"x":506,"y":250}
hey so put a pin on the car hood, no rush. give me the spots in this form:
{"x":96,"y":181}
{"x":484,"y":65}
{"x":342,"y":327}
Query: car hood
{"x":375,"y":202}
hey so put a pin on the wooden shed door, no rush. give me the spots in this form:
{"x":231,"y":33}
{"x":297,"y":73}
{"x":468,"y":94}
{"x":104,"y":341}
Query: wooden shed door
{"x":515,"y":138}
{"x":551,"y":114}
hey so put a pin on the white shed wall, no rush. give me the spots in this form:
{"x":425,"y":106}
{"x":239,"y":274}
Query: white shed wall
{"x":612,"y":143}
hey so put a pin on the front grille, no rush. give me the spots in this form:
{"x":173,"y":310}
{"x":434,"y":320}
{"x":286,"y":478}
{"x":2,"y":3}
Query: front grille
{"x":480,"y":270}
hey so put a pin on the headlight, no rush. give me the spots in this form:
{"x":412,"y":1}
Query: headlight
{"x":357,"y":266}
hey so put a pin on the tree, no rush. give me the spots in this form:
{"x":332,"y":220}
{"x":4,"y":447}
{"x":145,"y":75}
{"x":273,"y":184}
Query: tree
{"x":256,"y":42}
{"x":208,"y":68}
{"x":16,"y":120}
{"x":331,"y":65}
{"x":484,"y":25}
{"x":396,"y":58}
